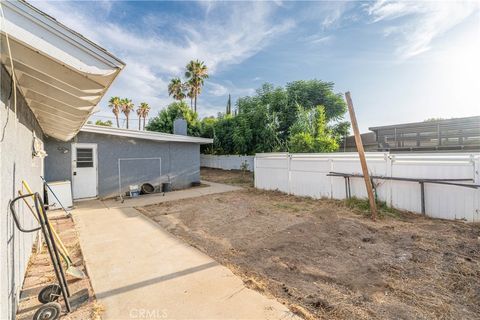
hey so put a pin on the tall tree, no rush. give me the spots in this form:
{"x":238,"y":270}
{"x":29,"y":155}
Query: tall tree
{"x":163,"y":122}
{"x":196,"y":73}
{"x":114,"y":103}
{"x":176,"y":89}
{"x":190,"y":93}
{"x":304,"y":116}
{"x":207,"y":130}
{"x":229,"y":105}
{"x":127,"y":107}
{"x":310,"y":132}
{"x":139,"y":114}
{"x":145,"y":110}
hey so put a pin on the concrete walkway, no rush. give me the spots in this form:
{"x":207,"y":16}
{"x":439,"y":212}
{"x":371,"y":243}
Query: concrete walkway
{"x":139,"y":271}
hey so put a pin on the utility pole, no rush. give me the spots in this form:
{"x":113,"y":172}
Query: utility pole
{"x":361,"y":155}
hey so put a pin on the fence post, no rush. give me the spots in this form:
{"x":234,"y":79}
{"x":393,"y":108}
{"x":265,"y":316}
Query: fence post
{"x":476,"y":175}
{"x":289,"y":160}
{"x":389,"y":159}
{"x":331,"y":179}
{"x":422,"y":196}
{"x":255,"y":170}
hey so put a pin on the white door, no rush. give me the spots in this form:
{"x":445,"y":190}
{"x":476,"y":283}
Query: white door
{"x":84,"y":170}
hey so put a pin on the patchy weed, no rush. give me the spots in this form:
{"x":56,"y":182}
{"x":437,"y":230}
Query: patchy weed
{"x":363,"y":206}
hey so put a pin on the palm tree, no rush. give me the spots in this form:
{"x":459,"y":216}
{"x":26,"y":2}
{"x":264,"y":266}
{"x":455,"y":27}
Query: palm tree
{"x":196,"y":74}
{"x":139,"y":114}
{"x":142,"y":112}
{"x":190,"y":93}
{"x":145,"y":109}
{"x":115,"y":103}
{"x":127,"y":106}
{"x":175,"y":89}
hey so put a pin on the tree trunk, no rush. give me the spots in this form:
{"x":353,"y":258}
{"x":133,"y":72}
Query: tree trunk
{"x":139,"y":120}
{"x":144,"y":122}
{"x":118,"y":123}
{"x":195,"y":103}
{"x":127,"y":120}
{"x":191,"y":103}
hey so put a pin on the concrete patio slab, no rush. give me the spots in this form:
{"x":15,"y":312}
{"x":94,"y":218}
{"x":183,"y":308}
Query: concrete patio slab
{"x":139,"y":271}
{"x":145,"y":200}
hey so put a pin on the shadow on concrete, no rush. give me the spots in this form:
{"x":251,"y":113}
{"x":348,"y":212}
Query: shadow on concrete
{"x":155,"y":280}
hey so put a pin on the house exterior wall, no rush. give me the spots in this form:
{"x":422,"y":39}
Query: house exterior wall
{"x":17,"y":163}
{"x":180,"y":162}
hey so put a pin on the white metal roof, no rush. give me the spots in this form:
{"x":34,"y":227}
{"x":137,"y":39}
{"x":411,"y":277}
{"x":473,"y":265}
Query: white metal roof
{"x":61,"y":74}
{"x":149,"y":135}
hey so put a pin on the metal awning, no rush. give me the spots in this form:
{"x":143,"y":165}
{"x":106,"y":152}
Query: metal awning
{"x":61,"y":74}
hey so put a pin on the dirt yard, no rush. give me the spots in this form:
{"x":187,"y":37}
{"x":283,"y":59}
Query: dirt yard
{"x":233,"y":177}
{"x":327,"y":260}
{"x":40,"y":274}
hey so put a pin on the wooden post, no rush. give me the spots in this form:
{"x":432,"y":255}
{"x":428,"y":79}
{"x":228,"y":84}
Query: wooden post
{"x":361,"y":154}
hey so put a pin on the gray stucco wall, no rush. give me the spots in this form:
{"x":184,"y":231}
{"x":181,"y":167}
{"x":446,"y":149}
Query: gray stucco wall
{"x":17,"y":163}
{"x":180,"y":162}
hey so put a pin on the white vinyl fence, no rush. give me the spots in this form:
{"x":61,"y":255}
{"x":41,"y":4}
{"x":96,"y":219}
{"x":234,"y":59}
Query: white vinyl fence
{"x":229,"y":162}
{"x":306,"y":175}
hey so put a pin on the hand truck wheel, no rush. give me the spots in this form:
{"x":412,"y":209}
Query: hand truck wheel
{"x":50,"y":293}
{"x":49,"y":311}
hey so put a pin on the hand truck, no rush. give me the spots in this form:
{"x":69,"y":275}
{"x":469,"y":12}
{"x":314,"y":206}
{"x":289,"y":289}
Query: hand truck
{"x":51,"y":308}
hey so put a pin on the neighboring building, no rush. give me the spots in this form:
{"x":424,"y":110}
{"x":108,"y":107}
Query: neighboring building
{"x":448,"y":135}
{"x":51,"y":80}
{"x":368,"y":140}
{"x":99,"y":158}
{"x":432,"y":135}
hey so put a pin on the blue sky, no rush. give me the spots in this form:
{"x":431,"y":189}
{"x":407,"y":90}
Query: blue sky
{"x":402,"y":61}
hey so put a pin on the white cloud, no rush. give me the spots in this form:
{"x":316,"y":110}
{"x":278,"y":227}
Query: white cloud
{"x":223,"y":42}
{"x":207,"y":5}
{"x":389,"y":10}
{"x":318,"y":38}
{"x":216,"y":89}
{"x":335,"y":15}
{"x":228,"y":36}
{"x":422,"y":23}
{"x":228,"y":87}
{"x":279,"y":3}
{"x":238,"y":91}
{"x":105,"y":4}
{"x":326,"y":14}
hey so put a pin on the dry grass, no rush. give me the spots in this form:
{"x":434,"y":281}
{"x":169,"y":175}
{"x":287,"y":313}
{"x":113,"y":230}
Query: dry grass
{"x":233,"y":177}
{"x":97,"y":310}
